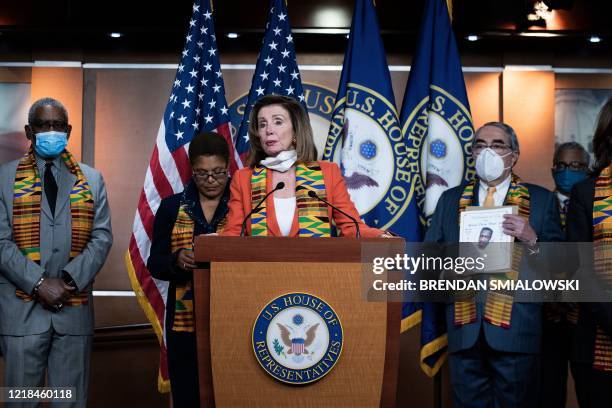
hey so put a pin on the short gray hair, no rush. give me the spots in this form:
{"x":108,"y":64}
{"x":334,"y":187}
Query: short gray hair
{"x":586,"y":157}
{"x":507,"y":129}
{"x":44,"y":102}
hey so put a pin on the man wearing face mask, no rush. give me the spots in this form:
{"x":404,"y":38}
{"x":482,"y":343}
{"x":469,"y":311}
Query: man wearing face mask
{"x":55,"y":233}
{"x":495,"y":345}
{"x":570,"y":166}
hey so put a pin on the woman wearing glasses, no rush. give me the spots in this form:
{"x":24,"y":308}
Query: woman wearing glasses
{"x":200,"y":209}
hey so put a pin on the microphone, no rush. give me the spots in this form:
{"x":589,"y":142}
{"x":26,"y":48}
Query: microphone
{"x":314,"y":195}
{"x":279,"y":186}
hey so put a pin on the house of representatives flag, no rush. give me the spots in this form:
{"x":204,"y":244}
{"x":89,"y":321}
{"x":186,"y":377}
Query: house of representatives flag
{"x":276,"y":71}
{"x":365,"y":135}
{"x":438,"y":130}
{"x":196,"y":104}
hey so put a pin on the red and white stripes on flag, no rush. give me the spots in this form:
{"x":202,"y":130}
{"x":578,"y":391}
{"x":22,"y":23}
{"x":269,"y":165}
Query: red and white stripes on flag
{"x":197,"y":104}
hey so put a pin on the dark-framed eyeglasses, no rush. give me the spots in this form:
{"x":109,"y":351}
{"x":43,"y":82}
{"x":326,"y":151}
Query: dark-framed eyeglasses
{"x":499,"y":148}
{"x":573,"y":165}
{"x":202,"y":175}
{"x":46,"y":125}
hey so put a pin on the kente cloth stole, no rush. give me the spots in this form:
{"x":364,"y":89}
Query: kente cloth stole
{"x":313,"y":220}
{"x":602,"y":242}
{"x":27,"y":196}
{"x":182,"y":238}
{"x":498,"y":303}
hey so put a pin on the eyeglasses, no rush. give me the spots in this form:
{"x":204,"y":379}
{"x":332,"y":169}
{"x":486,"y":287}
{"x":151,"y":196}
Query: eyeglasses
{"x":48,"y":124}
{"x":217,"y":175}
{"x":498,"y":148}
{"x":574,"y":165}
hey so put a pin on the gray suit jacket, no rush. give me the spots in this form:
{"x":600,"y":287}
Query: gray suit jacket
{"x":19,"y":318}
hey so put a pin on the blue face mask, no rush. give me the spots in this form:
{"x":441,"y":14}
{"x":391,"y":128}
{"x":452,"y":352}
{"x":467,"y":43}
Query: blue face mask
{"x":50,"y":144}
{"x":565,"y":179}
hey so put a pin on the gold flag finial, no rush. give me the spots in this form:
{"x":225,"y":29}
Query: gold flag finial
{"x":449,"y":5}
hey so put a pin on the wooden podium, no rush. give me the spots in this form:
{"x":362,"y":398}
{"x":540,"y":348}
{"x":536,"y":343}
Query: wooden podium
{"x":243,"y":274}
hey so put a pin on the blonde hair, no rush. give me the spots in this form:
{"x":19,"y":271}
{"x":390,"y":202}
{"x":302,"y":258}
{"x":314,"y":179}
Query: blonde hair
{"x":302,"y":131}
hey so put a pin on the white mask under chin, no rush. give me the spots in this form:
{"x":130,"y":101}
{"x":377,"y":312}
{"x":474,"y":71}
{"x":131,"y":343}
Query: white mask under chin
{"x":490,"y":165}
{"x":281,"y":162}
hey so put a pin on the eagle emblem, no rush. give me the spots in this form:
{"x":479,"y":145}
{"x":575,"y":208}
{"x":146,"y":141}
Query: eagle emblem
{"x":297,"y":339}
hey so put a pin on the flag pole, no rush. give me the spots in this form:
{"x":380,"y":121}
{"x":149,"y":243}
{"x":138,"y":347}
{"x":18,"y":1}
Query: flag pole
{"x":437,"y":390}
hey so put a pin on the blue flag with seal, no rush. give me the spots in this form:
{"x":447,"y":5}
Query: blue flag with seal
{"x":438,"y":130}
{"x":365,"y":136}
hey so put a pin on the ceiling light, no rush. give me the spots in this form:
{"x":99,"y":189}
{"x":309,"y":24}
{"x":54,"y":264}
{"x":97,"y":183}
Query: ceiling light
{"x":594,"y":39}
{"x":232,"y":35}
{"x":542,"y":34}
{"x":116,"y":35}
{"x":472,"y":37}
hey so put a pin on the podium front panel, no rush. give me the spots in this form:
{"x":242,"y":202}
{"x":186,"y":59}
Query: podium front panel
{"x":239,"y":291}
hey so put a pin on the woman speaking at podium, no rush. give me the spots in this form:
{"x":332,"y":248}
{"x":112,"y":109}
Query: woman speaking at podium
{"x":285,"y":191}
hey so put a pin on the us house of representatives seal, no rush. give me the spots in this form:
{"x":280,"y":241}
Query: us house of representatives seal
{"x":297,"y":338}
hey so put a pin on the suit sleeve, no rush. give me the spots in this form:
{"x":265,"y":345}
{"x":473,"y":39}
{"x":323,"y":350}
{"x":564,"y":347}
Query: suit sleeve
{"x":14,"y":266}
{"x":340,"y":197}
{"x":578,"y":228}
{"x":435,"y":232}
{"x":236,"y":213}
{"x":84,"y":267}
{"x":161,"y":262}
{"x":551,"y":226}
{"x":579,"y":220}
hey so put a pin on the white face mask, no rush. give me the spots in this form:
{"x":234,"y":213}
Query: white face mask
{"x":281,"y":162}
{"x":490,"y":165}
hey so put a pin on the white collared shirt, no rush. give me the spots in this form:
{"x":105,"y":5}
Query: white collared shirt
{"x":499,"y":196}
{"x":561,"y":197}
{"x":55,"y":170}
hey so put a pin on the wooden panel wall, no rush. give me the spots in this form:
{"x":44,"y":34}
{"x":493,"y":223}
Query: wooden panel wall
{"x":65,"y":85}
{"x":529,"y":107}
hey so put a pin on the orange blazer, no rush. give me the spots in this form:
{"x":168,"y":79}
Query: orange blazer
{"x":335,"y":190}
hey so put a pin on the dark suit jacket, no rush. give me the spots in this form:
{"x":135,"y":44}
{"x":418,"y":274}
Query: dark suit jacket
{"x":524,"y":334}
{"x":579,"y":227}
{"x":161,"y":262}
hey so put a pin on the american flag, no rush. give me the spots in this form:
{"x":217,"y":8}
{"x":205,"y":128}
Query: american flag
{"x":197,"y":103}
{"x":276,"y":71}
